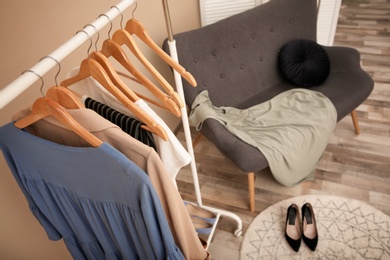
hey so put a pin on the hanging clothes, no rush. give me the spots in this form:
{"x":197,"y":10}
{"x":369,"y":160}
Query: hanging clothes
{"x":96,"y":199}
{"x":171,"y":152}
{"x":128,"y":124}
{"x":143,"y":156}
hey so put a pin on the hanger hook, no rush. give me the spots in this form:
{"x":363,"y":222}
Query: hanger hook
{"x":109,"y":31}
{"x":59,"y":67}
{"x":135,"y":8}
{"x":119,"y":11}
{"x":98,"y":35}
{"x":42,"y":82}
{"x":90,"y":39}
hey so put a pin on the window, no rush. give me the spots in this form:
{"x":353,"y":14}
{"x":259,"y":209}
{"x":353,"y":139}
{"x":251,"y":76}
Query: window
{"x":212,"y":11}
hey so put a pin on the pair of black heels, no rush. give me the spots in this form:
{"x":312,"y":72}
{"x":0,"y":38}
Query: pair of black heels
{"x":307,"y":231}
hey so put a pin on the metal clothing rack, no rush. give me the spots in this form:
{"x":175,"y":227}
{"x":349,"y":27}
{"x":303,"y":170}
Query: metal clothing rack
{"x":23,"y":82}
{"x":26,"y":80}
{"x":187,"y":133}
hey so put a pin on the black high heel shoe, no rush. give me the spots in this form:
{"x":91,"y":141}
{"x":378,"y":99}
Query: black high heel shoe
{"x":293,"y":227}
{"x":309,"y":227}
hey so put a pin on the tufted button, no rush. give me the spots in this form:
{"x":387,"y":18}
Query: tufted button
{"x":272,"y":29}
{"x":261,"y":59}
{"x":195,"y":60}
{"x":253,"y":36}
{"x":242,"y":67}
{"x":291,"y":21}
{"x":221,"y":75}
{"x":234,"y":45}
{"x":214,"y":53}
{"x":204,"y":83}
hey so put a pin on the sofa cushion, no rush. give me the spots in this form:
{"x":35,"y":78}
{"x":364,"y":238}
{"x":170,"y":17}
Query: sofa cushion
{"x":304,"y":63}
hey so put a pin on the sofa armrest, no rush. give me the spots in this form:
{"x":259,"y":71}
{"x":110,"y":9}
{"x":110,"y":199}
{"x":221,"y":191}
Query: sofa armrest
{"x":347,"y":85}
{"x":343,"y":58}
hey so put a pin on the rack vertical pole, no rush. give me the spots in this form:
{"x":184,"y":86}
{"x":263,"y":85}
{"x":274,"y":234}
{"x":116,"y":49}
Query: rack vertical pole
{"x":187,"y":131}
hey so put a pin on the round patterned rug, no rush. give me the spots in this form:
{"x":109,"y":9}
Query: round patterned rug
{"x":347,"y":229}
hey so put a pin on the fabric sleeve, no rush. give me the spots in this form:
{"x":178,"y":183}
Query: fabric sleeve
{"x":51,"y":231}
{"x":158,"y":230}
{"x":177,"y":215}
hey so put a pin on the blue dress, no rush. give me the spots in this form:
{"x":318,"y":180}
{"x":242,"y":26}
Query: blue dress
{"x":96,"y":199}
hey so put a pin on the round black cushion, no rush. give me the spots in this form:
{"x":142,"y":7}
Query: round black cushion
{"x":304,"y":63}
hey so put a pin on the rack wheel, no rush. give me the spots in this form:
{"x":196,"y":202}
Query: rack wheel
{"x":238,"y":232}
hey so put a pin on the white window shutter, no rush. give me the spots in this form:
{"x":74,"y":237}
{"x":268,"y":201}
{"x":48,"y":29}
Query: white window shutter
{"x":212,"y":11}
{"x":327,"y":21}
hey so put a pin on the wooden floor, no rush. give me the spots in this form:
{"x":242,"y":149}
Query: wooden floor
{"x":353,"y":166}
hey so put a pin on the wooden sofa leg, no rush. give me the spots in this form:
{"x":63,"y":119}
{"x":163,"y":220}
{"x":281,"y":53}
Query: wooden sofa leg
{"x":197,"y":140}
{"x":355,"y":122}
{"x":251,"y":188}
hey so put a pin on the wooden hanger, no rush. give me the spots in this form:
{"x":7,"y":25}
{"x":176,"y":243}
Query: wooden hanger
{"x":123,"y":37}
{"x":64,"y":97}
{"x":113,"y":49}
{"x":90,"y":67}
{"x":44,"y":107}
{"x":151,"y":101}
{"x":133,"y":96}
{"x":133,"y":26}
{"x":103,"y":61}
{"x":130,"y":77}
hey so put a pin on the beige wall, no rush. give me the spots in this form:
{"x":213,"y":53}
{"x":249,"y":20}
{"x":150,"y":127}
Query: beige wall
{"x":30,"y":30}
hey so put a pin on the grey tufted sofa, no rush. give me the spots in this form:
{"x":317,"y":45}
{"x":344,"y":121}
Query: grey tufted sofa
{"x":235,"y":59}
